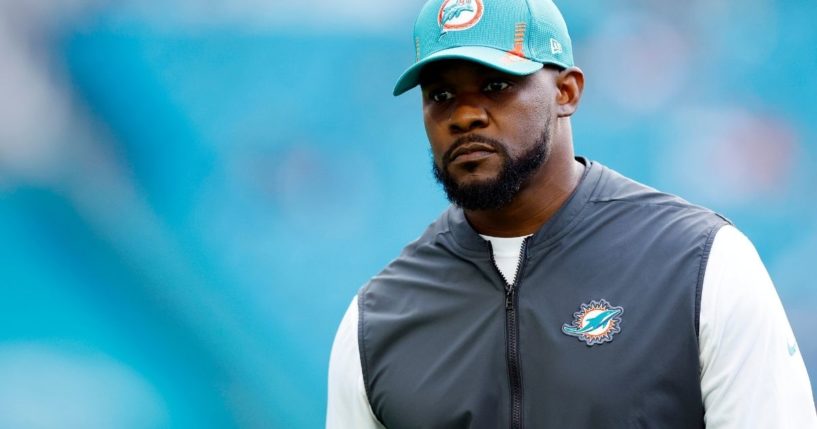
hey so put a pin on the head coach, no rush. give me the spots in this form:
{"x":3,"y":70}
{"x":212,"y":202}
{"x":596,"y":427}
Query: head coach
{"x":554,"y":292}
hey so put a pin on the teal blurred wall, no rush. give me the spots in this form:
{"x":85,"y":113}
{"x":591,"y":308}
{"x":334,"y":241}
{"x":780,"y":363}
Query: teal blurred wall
{"x":190,"y":195}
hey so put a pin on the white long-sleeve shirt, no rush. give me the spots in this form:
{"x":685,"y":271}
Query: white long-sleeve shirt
{"x":752,"y":373}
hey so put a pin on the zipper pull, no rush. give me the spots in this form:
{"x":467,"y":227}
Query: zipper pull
{"x":509,"y":299}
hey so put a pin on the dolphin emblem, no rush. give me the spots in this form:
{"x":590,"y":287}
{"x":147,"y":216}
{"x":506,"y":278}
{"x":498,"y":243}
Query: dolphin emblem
{"x":595,"y":323}
{"x":455,"y":9}
{"x":599,"y":321}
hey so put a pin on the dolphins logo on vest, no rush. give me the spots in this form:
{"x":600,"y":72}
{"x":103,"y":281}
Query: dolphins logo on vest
{"x":595,"y":322}
{"x":457,"y":15}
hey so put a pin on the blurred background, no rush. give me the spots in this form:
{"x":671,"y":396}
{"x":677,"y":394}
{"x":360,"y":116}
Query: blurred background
{"x":191,"y":192}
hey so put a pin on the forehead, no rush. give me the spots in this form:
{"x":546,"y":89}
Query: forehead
{"x":457,"y":70}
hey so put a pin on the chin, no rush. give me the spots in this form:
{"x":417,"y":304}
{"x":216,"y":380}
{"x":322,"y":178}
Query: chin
{"x":475,"y":172}
{"x":475,"y":178}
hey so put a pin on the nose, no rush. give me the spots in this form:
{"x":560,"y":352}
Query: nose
{"x":467,"y":116}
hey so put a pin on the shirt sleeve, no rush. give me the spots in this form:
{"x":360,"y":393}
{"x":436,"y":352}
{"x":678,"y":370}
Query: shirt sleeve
{"x":347,"y":404}
{"x":752,"y":373}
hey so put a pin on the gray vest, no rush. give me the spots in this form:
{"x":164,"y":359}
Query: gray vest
{"x":600,"y":328}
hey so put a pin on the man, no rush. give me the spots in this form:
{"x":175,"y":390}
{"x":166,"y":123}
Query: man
{"x":554,"y":292}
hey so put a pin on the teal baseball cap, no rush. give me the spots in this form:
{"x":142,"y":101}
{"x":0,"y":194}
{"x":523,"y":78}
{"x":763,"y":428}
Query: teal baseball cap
{"x":514,"y":36}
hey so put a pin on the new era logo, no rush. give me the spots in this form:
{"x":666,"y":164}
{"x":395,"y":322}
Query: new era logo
{"x":555,"y":46}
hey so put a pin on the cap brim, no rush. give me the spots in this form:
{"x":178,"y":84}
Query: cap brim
{"x":490,"y":57}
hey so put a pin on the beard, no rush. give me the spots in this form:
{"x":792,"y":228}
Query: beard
{"x":498,"y":192}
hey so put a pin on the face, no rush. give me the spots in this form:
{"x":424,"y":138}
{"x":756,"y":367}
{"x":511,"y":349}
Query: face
{"x":489,"y":131}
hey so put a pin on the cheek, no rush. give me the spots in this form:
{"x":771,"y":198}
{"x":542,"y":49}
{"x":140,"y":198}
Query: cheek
{"x":436,"y":139}
{"x":530,"y":121}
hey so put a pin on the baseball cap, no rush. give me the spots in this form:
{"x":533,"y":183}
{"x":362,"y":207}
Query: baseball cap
{"x":514,"y":36}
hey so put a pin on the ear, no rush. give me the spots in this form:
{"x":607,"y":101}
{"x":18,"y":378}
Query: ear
{"x":570,"y":84}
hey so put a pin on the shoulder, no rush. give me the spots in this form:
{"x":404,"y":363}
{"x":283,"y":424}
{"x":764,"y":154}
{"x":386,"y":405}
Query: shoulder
{"x":635,"y":207}
{"x":416,"y":255}
{"x":617,"y":188}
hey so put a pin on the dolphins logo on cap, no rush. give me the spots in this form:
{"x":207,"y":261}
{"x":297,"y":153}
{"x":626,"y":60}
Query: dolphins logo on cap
{"x":458,"y":15}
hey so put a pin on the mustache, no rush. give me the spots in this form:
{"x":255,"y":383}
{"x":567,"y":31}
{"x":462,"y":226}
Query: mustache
{"x":473,"y":138}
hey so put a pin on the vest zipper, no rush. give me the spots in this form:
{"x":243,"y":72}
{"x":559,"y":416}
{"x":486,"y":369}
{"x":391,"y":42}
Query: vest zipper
{"x":512,"y":335}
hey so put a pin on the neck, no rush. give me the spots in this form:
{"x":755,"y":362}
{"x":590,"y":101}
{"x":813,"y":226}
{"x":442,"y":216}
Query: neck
{"x":538,"y":200}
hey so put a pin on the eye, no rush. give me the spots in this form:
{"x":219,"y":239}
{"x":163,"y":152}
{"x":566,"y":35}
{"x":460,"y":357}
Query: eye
{"x":440,"y":95}
{"x":496,"y":86}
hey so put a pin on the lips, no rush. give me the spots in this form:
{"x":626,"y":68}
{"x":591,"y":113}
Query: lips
{"x":472,"y":151}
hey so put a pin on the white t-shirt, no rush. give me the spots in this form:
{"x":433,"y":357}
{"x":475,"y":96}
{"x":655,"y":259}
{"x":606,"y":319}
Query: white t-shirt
{"x":752,"y":373}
